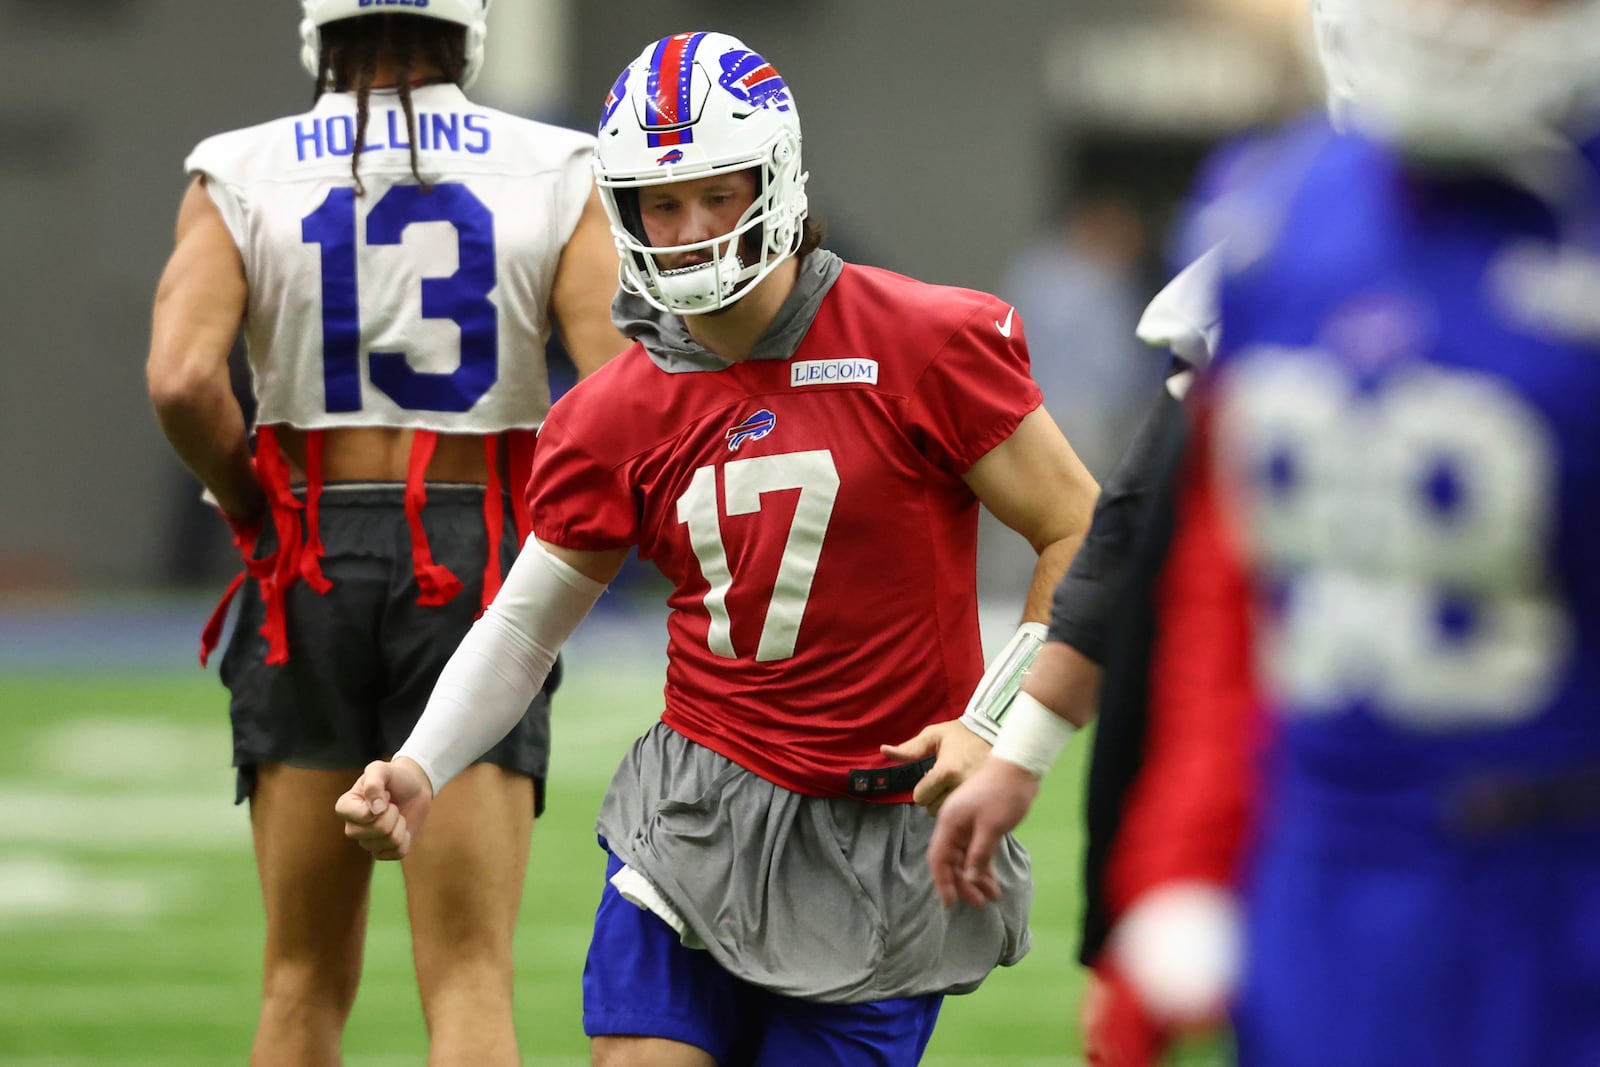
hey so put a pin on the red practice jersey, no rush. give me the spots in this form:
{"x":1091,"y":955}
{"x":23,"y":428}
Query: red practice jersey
{"x":811,"y":516}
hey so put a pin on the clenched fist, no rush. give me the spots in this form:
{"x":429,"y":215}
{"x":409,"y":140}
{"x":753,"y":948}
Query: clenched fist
{"x":384,"y":809}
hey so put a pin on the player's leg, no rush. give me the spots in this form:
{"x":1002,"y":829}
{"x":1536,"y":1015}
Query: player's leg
{"x":315,"y":888}
{"x":298,"y":738}
{"x":463,"y":887}
{"x":880,"y":1033}
{"x":630,"y":1051}
{"x":649,"y":1000}
{"x":1324,"y":985}
{"x":465,"y":873}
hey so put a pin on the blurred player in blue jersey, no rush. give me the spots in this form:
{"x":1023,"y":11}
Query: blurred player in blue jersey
{"x":397,"y":258}
{"x":1372,"y":802}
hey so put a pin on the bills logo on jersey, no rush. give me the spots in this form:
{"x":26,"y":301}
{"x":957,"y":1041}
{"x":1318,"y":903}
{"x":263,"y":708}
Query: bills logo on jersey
{"x":614,"y":97}
{"x":674,"y":156}
{"x":754,"y":428}
{"x":752,"y":79}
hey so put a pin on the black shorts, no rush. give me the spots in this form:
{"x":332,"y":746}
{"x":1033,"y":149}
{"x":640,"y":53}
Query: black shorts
{"x":363,"y":659}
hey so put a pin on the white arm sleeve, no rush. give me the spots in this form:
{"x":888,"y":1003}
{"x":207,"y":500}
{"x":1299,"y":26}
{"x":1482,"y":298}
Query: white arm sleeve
{"x":501,"y":664}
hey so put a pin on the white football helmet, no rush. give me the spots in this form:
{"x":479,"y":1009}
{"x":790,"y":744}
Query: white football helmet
{"x":1463,"y":78}
{"x":693,"y":105}
{"x":468,"y":13}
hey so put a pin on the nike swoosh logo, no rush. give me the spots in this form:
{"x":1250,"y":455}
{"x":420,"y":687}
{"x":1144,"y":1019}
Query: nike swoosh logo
{"x":1005,"y":327}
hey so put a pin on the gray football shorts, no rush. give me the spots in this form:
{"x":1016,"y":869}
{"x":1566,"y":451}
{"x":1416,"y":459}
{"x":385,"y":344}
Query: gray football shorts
{"x":364,"y":658}
{"x":820,"y":898}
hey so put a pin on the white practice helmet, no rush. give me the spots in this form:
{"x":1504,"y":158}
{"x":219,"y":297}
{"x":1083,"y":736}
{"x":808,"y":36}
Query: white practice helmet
{"x":468,"y":13}
{"x":693,"y":105}
{"x":1463,"y":78}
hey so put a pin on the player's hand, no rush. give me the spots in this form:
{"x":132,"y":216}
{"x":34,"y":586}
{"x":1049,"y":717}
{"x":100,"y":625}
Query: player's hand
{"x":957,"y":751}
{"x":385,"y":807}
{"x":1117,"y":1031}
{"x":972,"y":823}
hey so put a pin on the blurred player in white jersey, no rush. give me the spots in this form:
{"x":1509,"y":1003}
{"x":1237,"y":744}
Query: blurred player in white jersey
{"x":397,"y":259}
{"x":802,"y":446}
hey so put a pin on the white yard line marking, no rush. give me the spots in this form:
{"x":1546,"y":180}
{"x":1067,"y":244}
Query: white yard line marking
{"x":134,"y":751}
{"x":63,"y":819}
{"x":36,"y":887}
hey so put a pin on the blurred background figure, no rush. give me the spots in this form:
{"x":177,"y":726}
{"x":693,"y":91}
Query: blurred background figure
{"x":1080,"y":292}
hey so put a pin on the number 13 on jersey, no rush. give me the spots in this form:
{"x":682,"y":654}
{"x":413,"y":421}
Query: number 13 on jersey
{"x":462,"y":298}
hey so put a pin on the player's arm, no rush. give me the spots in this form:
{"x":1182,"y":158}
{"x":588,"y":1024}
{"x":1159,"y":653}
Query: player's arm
{"x":1061,"y":689}
{"x":1188,"y":815}
{"x":199,"y":305}
{"x":483,"y":691}
{"x":585,"y":282}
{"x":1035,"y":483}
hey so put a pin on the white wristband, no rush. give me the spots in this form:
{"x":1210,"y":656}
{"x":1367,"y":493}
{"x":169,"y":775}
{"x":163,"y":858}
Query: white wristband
{"x":1031,"y":735}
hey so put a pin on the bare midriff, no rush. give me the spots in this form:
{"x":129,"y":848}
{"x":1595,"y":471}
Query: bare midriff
{"x":383,"y":454}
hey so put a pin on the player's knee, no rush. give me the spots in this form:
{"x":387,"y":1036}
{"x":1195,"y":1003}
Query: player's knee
{"x":466,"y":988}
{"x":626,"y":1051}
{"x":310,"y":988}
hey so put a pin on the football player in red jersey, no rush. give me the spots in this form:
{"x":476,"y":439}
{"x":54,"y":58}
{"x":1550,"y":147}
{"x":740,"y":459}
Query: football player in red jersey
{"x":801,"y":446}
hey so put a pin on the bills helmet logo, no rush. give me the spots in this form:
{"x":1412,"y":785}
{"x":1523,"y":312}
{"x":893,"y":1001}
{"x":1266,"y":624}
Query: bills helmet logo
{"x":674,"y":156}
{"x":614,"y":97}
{"x":669,"y":109}
{"x":752,"y":79}
{"x":754,"y":428}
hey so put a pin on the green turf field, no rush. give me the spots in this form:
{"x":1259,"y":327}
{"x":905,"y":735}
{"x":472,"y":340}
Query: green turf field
{"x":130,"y":923}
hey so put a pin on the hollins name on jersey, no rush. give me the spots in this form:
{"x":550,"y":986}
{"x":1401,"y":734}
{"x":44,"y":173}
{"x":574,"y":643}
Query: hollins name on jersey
{"x":318,"y":136}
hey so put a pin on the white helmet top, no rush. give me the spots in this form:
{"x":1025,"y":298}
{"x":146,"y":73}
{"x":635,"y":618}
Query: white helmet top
{"x":468,"y":13}
{"x":1475,"y":79}
{"x":693,"y":105}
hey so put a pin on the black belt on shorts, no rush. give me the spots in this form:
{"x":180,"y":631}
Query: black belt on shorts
{"x":900,"y":778}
